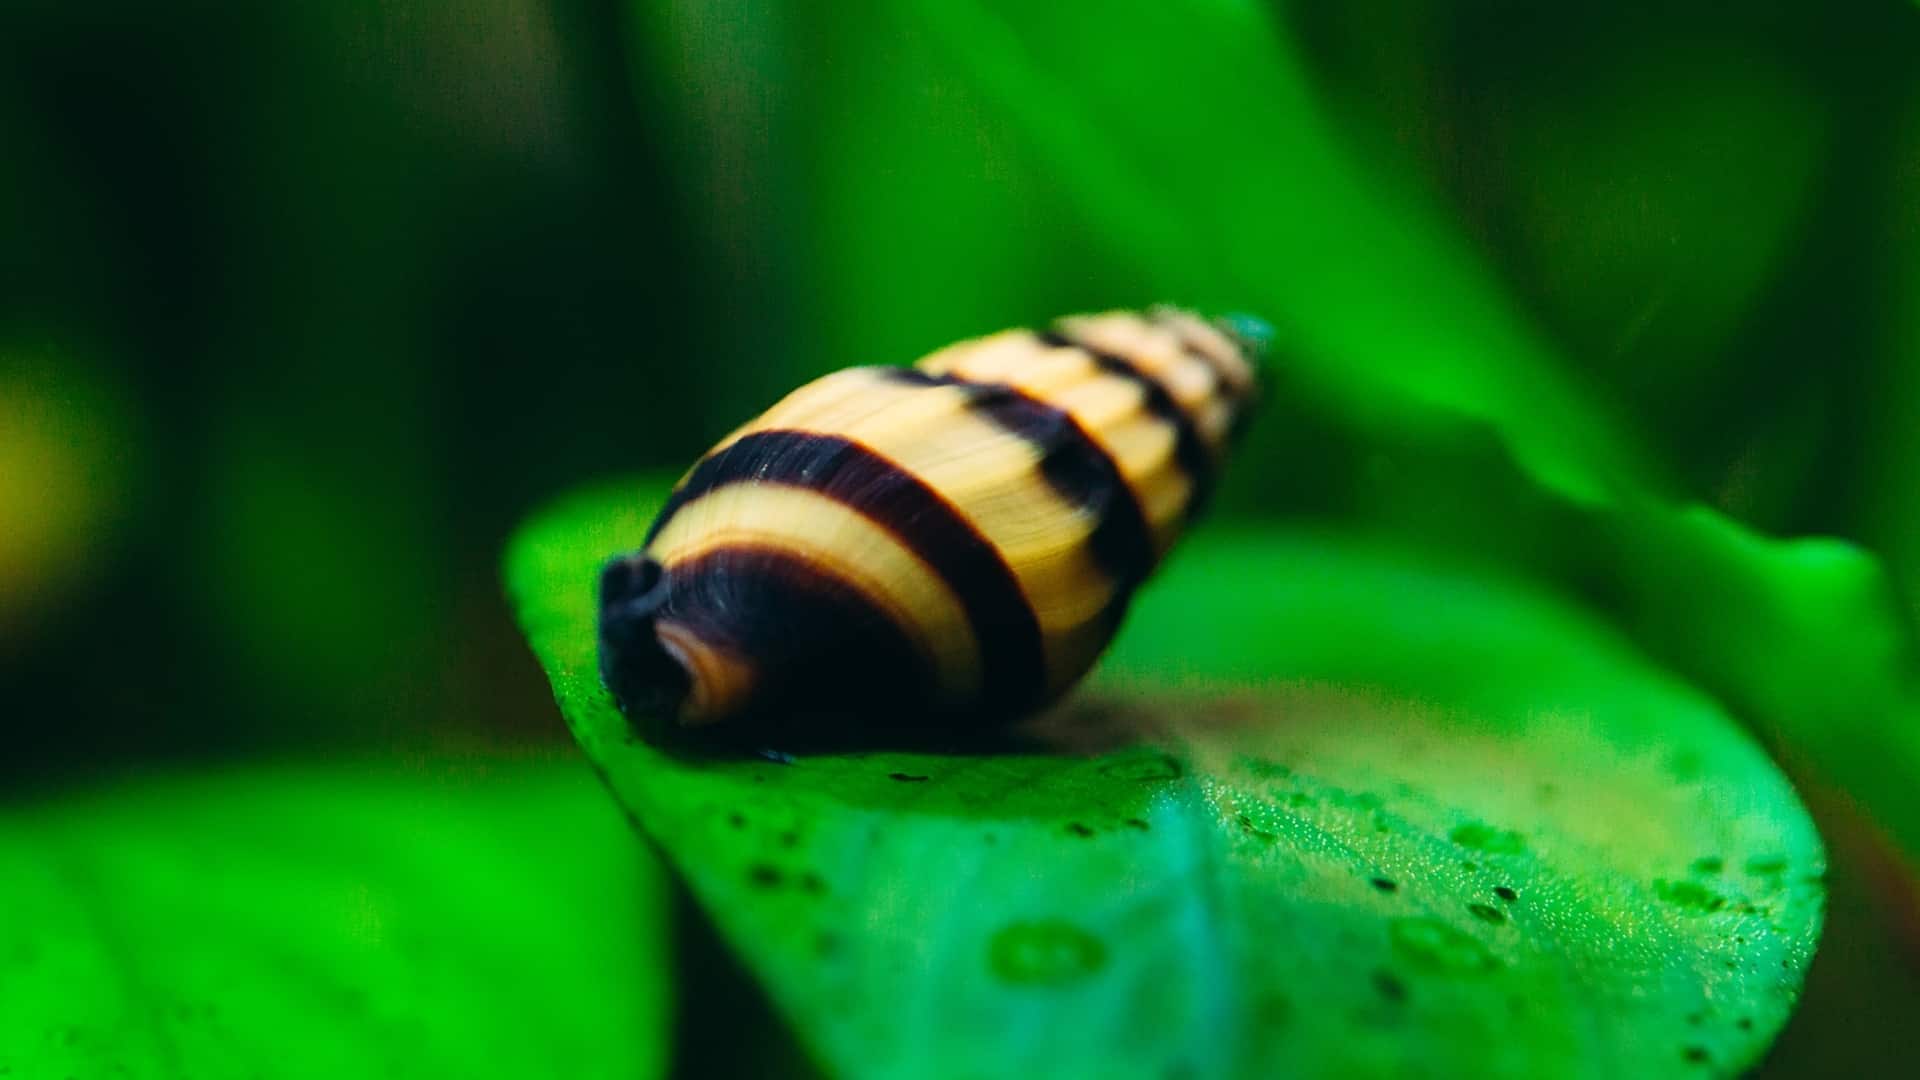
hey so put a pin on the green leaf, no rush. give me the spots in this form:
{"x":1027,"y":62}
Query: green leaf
{"x":1352,"y":811}
{"x":1891,"y":461}
{"x":336,"y":921}
{"x":1659,"y":188}
{"x":1225,"y":187}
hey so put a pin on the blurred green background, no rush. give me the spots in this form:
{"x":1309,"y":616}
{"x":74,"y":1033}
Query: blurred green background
{"x":298,"y":304}
{"x":302,"y":308}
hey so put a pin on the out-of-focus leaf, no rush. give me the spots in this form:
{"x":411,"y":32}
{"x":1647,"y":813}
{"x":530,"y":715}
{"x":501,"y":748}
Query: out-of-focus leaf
{"x":930,"y":219}
{"x":1862,"y":785}
{"x":1658,"y":195}
{"x":1384,"y":815}
{"x":716,"y":77}
{"x":1232,"y":192}
{"x":492,"y":920}
{"x":1893,"y":462}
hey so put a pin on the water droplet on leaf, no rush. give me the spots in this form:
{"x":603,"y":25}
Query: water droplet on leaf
{"x":1691,"y":895}
{"x":1432,"y":944}
{"x":1480,"y":836}
{"x":1046,"y":952}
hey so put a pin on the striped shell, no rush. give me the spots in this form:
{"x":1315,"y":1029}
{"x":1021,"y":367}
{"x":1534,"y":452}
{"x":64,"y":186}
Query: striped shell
{"x":953,"y":539}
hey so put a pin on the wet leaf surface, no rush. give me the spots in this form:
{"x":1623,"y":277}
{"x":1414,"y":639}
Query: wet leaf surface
{"x":1332,"y":807}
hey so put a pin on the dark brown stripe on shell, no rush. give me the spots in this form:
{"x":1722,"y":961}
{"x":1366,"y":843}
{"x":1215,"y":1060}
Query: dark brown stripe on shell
{"x":1244,"y":396}
{"x":1073,"y":464}
{"x":1225,"y":379}
{"x":1189,"y":450}
{"x":1012,"y":651}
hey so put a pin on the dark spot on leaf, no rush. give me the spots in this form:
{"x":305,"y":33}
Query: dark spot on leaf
{"x":765,"y":875}
{"x":1696,"y":1018}
{"x":1385,"y":884}
{"x":1766,"y":865}
{"x":813,"y":883}
{"x":1690,"y":895}
{"x":737,"y":820}
{"x":1078,"y":829}
{"x":1708,"y":864}
{"x":1299,"y":798}
{"x":1436,"y":946}
{"x":789,"y":839}
{"x":1745,"y":1023}
{"x":1695,"y":1055}
{"x":905,"y":778}
{"x":1136,"y":823}
{"x":1262,"y":767}
{"x":1505,"y":893}
{"x":1045,"y":952}
{"x":1247,"y":826}
{"x":1487,"y":913}
{"x":1480,"y":836}
{"x":1469,"y":866}
{"x":1390,"y":986}
{"x":1150,"y":767}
